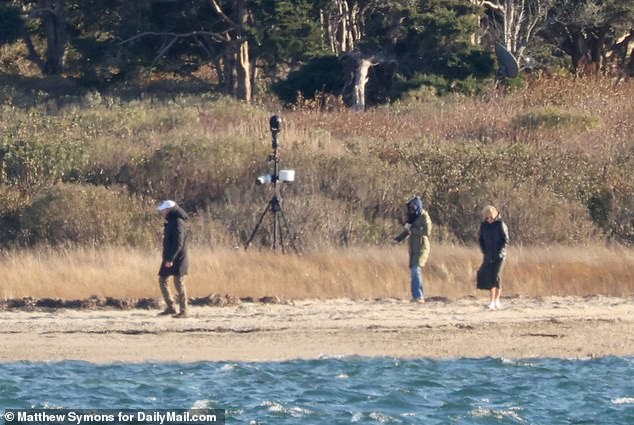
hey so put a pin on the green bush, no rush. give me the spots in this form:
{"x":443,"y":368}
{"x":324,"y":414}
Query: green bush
{"x":428,"y":86}
{"x":458,"y":179}
{"x":88,"y":215}
{"x":194,"y":172}
{"x":320,"y":75}
{"x":30,"y":161}
{"x":611,"y":204}
{"x":552,"y":118}
{"x":535,"y":216}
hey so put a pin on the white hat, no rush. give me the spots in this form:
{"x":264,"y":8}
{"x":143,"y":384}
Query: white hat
{"x":164,"y":205}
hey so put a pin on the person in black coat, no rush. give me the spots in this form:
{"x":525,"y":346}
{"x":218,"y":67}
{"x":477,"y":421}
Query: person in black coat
{"x":174,"y":259}
{"x":493,"y":238}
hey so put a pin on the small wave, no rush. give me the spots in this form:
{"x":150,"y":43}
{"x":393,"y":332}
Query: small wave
{"x":379,"y":417}
{"x":382,"y":418}
{"x":201,"y":404}
{"x":342,"y":376}
{"x":498,"y":413}
{"x":295,"y":412}
{"x":336,"y":356}
{"x":517,"y":362}
{"x":47,"y":405}
{"x":623,"y":400}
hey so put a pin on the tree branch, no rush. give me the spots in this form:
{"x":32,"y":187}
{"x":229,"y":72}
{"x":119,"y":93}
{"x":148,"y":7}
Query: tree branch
{"x":37,"y":13}
{"x":33,"y":56}
{"x":219,"y":11}
{"x":493,"y":6}
{"x":217,"y":37}
{"x":166,"y":46}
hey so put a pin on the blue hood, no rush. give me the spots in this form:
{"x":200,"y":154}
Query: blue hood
{"x":417,"y":205}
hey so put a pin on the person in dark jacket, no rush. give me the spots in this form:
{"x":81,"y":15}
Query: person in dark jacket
{"x":493,"y":238}
{"x":418,"y":229}
{"x":174,"y":259}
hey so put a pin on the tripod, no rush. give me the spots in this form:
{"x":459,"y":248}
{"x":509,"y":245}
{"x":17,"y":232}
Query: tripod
{"x":274,"y":205}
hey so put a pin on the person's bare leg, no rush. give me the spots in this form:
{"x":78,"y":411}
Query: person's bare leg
{"x":492,"y":294}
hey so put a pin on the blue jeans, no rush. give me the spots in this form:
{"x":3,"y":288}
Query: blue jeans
{"x":417,"y":283}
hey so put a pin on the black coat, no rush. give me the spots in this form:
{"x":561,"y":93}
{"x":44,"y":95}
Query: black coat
{"x":175,"y":244}
{"x":493,"y":238}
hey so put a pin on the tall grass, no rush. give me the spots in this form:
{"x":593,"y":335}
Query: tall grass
{"x":352,"y":273}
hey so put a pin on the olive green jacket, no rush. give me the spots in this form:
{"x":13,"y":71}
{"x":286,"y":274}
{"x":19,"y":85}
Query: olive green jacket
{"x":419,"y":246}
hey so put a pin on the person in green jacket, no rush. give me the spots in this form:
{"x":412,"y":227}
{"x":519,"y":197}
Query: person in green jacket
{"x":418,"y":228}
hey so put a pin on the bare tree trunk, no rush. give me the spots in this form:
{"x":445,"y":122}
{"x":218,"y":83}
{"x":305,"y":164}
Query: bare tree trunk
{"x":520,"y":19}
{"x":476,"y":39}
{"x":343,"y":26}
{"x":237,"y":56}
{"x":218,"y":64}
{"x":33,"y":55}
{"x":244,"y":72}
{"x":254,"y":77}
{"x":360,"y":80}
{"x":54,"y":21}
{"x":627,"y":62}
{"x":342,"y":23}
{"x":53,"y":16}
{"x":229,"y":71}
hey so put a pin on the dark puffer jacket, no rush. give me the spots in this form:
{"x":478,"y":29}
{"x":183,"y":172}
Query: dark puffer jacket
{"x":175,"y":244}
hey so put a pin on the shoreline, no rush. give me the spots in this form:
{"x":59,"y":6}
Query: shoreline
{"x":558,"y":327}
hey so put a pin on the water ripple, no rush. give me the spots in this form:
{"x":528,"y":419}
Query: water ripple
{"x":342,"y":390}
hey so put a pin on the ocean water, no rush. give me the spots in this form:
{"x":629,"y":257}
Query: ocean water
{"x":350,"y":390}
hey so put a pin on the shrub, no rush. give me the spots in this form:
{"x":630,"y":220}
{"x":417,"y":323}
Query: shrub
{"x":428,"y":86}
{"x":354,"y":170}
{"x":90,"y":215}
{"x":611,"y":204}
{"x":195,"y":172}
{"x":538,"y":215}
{"x":320,"y":75}
{"x":30,"y":161}
{"x":552,"y":118}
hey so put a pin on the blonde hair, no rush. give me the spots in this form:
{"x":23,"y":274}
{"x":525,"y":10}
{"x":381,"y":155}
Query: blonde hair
{"x":489,"y":211}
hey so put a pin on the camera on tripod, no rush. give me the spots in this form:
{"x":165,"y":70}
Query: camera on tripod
{"x":274,"y":206}
{"x":275,"y":122}
{"x":284,"y":176}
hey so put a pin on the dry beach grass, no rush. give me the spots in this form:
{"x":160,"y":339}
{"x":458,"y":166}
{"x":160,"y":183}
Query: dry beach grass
{"x":356,"y":273}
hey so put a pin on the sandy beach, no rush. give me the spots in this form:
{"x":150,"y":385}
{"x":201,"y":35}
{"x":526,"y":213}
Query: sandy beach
{"x":563,"y":327}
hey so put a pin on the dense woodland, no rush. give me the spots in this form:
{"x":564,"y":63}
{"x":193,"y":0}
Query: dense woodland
{"x":108,"y":106}
{"x":370,"y":51}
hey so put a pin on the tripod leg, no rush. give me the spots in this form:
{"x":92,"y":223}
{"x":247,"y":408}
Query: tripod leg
{"x":288,"y":230}
{"x":257,"y":226}
{"x":281,"y":231}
